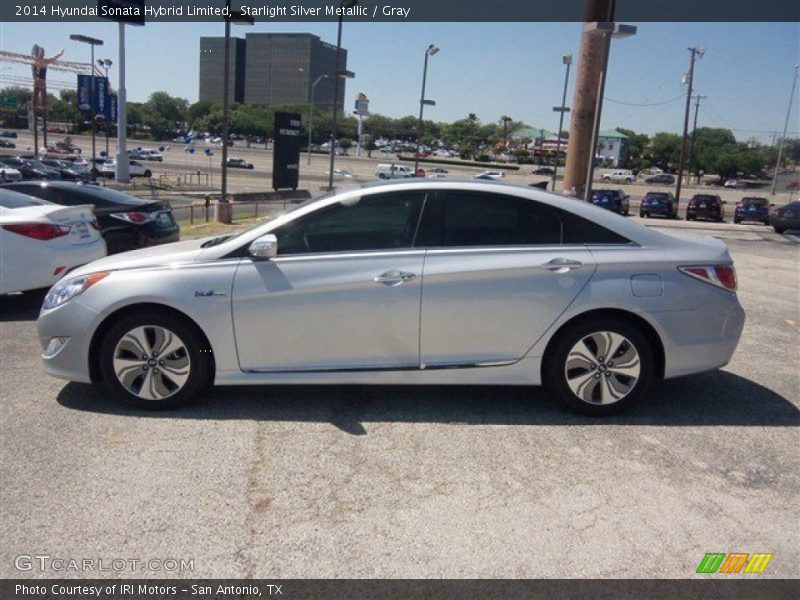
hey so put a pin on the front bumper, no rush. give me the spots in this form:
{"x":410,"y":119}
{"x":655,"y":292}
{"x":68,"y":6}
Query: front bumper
{"x":75,"y":324}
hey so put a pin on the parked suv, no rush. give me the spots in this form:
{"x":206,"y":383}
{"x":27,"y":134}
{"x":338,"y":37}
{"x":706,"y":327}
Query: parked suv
{"x":659,"y":204}
{"x":613,"y":200}
{"x":622,"y":176}
{"x":704,"y":206}
{"x":752,"y":209}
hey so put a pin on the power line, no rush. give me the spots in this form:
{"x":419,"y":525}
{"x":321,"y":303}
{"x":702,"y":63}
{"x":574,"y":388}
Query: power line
{"x":644,"y":104}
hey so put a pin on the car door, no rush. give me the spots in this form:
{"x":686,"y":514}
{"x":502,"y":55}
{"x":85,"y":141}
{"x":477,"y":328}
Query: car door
{"x":342,"y":294}
{"x":496,"y":276}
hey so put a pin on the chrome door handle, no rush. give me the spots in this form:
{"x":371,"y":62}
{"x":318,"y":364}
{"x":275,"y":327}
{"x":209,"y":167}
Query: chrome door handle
{"x":562,"y":265}
{"x":394,"y":277}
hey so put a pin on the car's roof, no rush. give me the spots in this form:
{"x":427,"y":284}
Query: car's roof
{"x":89,"y":191}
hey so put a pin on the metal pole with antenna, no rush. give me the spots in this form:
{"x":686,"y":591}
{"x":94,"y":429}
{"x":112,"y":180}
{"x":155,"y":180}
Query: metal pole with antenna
{"x":785,"y":127}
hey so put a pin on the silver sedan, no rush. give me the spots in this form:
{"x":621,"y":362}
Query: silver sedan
{"x":415,"y":282}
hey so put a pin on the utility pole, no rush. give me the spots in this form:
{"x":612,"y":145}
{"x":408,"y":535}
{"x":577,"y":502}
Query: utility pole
{"x":694,"y":129}
{"x":567,"y":60}
{"x":785,"y":127}
{"x":590,"y":66}
{"x":695,"y":52}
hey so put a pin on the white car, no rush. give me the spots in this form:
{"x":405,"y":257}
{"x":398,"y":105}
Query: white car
{"x":732,"y":183}
{"x":8,"y":173}
{"x":41,"y":241}
{"x":393,"y":171}
{"x":135,"y":169}
{"x":147,"y":154}
{"x":622,"y":176}
{"x":490,"y":175}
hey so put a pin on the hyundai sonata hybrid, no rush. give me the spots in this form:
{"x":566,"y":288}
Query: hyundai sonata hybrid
{"x":412,"y":282}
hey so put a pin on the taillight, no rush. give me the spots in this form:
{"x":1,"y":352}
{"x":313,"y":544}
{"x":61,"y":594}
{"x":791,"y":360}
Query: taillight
{"x":691,"y":202}
{"x":723,"y":276}
{"x":135,"y":217}
{"x":38,"y":231}
{"x":95,"y":224}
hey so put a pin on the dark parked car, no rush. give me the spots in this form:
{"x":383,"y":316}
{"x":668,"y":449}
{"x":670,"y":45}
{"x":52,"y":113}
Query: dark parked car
{"x":6,"y":144}
{"x":664,"y":178}
{"x":544,"y":171}
{"x":786,"y":217}
{"x":752,"y":209}
{"x":704,"y":206}
{"x":239,"y":163}
{"x":614,"y":200}
{"x":659,"y":204}
{"x":125,"y":222}
{"x":27,"y":170}
{"x":50,"y":172}
{"x":67,"y":169}
{"x":8,"y":134}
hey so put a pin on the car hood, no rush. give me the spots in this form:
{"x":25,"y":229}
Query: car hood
{"x":155,"y":256}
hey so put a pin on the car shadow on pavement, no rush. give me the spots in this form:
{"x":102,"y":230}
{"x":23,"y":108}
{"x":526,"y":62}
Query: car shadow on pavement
{"x":716,"y":398}
{"x":21,"y":307}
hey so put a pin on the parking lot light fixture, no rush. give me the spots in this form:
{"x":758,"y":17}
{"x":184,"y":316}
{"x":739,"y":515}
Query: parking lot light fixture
{"x":567,"y":60}
{"x":338,"y":74}
{"x":223,"y":208}
{"x":429,"y":51}
{"x":85,"y":39}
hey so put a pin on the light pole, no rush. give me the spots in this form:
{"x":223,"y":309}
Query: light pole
{"x":429,"y":51}
{"x":610,"y":30}
{"x":785,"y":127}
{"x":92,"y":42}
{"x":695,"y":52}
{"x":567,"y":60}
{"x":224,"y":212}
{"x":311,"y":113}
{"x":344,"y":4}
{"x":105,"y":64}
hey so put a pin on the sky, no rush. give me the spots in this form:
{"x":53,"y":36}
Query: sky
{"x":491,"y":69}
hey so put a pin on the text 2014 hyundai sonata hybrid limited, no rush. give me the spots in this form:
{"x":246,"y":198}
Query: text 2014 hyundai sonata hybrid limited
{"x":417,"y":282}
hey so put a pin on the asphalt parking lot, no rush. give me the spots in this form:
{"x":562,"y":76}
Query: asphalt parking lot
{"x":292,"y":482}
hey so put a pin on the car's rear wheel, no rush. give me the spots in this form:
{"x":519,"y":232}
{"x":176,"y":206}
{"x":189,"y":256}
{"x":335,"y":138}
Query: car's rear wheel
{"x":155,"y":362}
{"x":778,"y":229}
{"x":600,"y":368}
{"x":148,"y":174}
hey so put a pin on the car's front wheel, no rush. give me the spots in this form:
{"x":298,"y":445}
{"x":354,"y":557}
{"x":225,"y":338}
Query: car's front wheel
{"x":155,"y":362}
{"x":599,"y":367}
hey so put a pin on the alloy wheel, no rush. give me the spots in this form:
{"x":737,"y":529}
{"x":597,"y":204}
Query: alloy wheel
{"x":602,"y":368}
{"x":151,"y":362}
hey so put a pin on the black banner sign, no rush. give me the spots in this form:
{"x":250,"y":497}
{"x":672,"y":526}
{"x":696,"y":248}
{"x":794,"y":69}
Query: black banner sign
{"x":286,"y":151}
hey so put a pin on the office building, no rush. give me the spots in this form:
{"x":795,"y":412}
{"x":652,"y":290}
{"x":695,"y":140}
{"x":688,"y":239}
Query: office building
{"x":276,"y":68}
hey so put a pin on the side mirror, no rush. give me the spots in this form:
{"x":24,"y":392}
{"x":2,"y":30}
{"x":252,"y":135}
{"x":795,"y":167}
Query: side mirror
{"x":264,"y":248}
{"x":724,"y":201}
{"x":772,"y":205}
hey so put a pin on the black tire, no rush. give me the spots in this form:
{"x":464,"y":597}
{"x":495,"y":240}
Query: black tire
{"x":736,"y":221}
{"x":148,"y":174}
{"x":554,"y":375}
{"x":779,"y":229}
{"x":200,"y":362}
{"x":642,"y":215}
{"x":688,"y":218}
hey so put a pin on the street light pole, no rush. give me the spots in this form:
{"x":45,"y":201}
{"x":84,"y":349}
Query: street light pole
{"x":567,"y":60}
{"x":224,"y":211}
{"x":344,"y":4}
{"x":429,"y":51}
{"x":695,"y":52}
{"x":785,"y":127}
{"x":311,"y":113}
{"x":92,"y":42}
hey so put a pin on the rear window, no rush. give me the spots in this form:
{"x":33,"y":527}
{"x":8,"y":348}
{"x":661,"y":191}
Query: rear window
{"x":706,"y":198}
{"x":656,"y":198}
{"x":70,"y":194}
{"x":9,"y":199}
{"x":755,"y":201}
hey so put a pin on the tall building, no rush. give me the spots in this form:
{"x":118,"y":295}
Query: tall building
{"x":276,"y":68}
{"x":212,"y":64}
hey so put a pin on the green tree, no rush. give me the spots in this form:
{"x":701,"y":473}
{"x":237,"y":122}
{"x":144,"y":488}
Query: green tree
{"x":637,"y":146}
{"x":665,"y":148}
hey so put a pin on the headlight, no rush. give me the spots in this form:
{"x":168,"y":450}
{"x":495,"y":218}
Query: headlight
{"x":67,"y":289}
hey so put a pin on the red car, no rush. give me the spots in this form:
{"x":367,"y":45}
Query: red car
{"x":62,"y":148}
